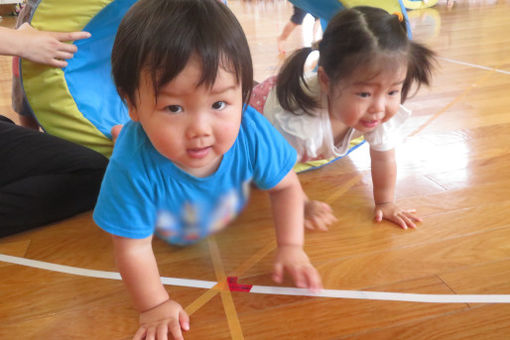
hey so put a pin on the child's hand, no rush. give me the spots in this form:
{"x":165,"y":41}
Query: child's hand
{"x":47,"y":47}
{"x":405,"y":218}
{"x":156,"y":323}
{"x":294,"y":260}
{"x":318,"y":215}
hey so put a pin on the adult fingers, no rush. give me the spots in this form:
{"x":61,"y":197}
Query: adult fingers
{"x":63,"y":55}
{"x":70,"y":36}
{"x":57,"y":63}
{"x":69,"y":48}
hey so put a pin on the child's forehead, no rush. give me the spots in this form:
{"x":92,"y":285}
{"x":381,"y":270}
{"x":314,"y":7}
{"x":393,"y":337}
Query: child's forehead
{"x":188,"y":80}
{"x":391,"y":67}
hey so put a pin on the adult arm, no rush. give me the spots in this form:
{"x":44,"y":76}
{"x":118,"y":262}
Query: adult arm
{"x":42,"y":47}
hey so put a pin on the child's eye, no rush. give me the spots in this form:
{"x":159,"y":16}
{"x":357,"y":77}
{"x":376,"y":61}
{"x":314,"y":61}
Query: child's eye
{"x":394,"y":92}
{"x":174,"y":108}
{"x":364,"y":94}
{"x":219,"y":105}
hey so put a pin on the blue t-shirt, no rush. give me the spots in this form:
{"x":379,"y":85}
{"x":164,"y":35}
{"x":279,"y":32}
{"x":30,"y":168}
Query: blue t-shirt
{"x":143,"y":192}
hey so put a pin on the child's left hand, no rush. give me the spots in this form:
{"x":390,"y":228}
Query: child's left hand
{"x":294,"y":260}
{"x":318,"y":215}
{"x":404,"y":218}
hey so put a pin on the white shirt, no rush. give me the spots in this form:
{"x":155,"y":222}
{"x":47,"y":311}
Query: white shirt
{"x":312,"y":136}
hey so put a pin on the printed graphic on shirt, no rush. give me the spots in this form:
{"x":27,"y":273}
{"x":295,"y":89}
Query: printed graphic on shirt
{"x":196,"y":220}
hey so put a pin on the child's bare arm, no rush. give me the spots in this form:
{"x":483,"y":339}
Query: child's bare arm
{"x":39,"y":46}
{"x":287,"y":201}
{"x":384,"y":177}
{"x":158,"y":314}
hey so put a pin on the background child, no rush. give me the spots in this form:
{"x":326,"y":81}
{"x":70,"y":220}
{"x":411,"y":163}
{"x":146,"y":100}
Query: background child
{"x":295,"y":20}
{"x":367,"y":65}
{"x":183,"y":166}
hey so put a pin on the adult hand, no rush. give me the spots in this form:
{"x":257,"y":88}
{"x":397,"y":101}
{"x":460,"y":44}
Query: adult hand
{"x":45,"y":47}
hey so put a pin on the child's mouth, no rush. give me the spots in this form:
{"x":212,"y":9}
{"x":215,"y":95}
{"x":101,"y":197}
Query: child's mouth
{"x":369,"y":123}
{"x":198,"y":153}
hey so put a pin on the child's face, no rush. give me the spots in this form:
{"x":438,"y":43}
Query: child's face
{"x":192,"y":126}
{"x":364,"y":103}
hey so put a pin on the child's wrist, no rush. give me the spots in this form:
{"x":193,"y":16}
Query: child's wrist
{"x":288,"y":245}
{"x":155,"y":306}
{"x":384,"y":202}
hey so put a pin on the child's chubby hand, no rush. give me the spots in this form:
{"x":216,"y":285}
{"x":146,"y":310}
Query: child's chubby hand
{"x":405,"y":218}
{"x":165,"y":321}
{"x":318,"y":215}
{"x":293,"y":259}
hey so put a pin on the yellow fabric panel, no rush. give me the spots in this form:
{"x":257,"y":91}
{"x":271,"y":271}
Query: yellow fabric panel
{"x":419,"y":4}
{"x":390,"y":6}
{"x":46,"y":87}
{"x":300,"y":167}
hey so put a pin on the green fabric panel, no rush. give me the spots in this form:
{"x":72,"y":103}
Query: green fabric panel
{"x":46,"y":88}
{"x":310,"y":165}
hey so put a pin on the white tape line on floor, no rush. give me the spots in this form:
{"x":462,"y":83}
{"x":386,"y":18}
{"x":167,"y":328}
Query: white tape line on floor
{"x":331,"y":293}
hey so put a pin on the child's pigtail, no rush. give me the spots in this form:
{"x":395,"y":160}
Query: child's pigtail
{"x":290,"y":82}
{"x":419,"y":68}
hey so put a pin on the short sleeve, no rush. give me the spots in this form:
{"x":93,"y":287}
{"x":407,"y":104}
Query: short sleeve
{"x":389,"y":134}
{"x":125,"y":206}
{"x":270,"y":155}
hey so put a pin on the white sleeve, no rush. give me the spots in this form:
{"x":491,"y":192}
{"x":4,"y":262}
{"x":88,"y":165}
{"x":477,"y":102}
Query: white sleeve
{"x":308,"y":134}
{"x":389,"y":134}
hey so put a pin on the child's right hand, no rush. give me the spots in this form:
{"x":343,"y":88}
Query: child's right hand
{"x":156,"y":323}
{"x":318,"y":215}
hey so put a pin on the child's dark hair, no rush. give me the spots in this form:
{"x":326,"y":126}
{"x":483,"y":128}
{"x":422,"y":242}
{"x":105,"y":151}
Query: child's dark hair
{"x":354,"y":37}
{"x":160,"y":37}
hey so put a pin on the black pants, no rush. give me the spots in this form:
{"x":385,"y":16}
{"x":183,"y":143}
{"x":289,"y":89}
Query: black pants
{"x":43,"y":178}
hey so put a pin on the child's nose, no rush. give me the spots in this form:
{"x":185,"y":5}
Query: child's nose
{"x":378,"y":105}
{"x":199,"y":126}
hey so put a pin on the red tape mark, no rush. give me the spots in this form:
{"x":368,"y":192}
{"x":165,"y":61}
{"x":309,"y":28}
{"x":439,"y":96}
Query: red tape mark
{"x":236,"y":287}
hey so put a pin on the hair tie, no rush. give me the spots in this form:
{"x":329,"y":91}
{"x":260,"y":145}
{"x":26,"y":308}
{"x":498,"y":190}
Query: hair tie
{"x":399,"y":16}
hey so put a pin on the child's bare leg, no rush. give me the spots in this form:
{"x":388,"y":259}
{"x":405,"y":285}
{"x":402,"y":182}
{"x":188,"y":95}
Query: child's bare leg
{"x":287,"y":30}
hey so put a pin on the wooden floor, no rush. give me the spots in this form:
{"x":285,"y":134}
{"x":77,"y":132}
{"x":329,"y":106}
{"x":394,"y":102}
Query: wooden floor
{"x":454,"y":169}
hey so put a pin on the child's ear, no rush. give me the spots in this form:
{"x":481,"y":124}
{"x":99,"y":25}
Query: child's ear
{"x":323,"y":79}
{"x":133,"y":112}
